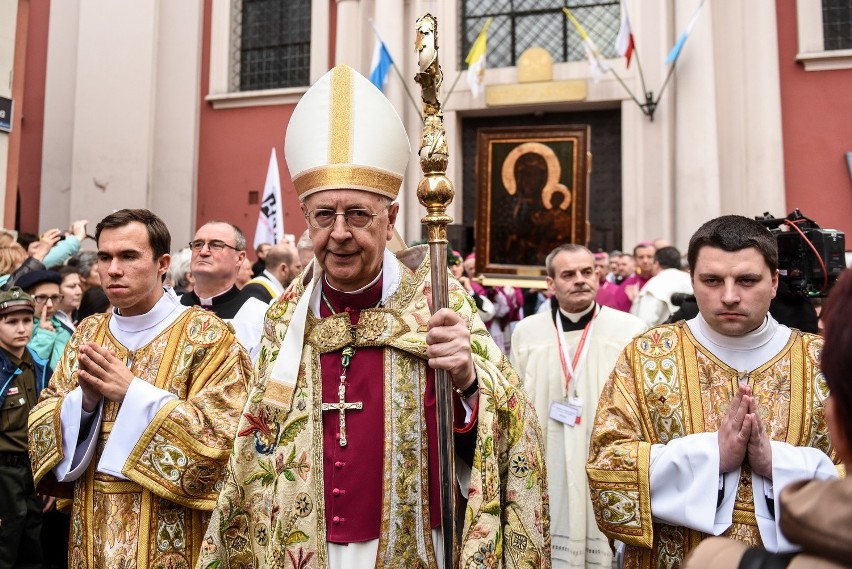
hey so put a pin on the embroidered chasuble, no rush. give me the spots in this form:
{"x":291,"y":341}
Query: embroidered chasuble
{"x":670,"y":393}
{"x":156,"y":515}
{"x":577,"y":541}
{"x":291,"y":489}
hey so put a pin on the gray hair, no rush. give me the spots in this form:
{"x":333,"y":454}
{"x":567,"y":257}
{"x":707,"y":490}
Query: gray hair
{"x":564,"y":248}
{"x":83,"y":262}
{"x":239,"y":236}
{"x":179,"y":268}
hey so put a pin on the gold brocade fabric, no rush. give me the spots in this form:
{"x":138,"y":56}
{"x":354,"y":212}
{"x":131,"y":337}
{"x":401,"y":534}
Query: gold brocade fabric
{"x":158,"y":516}
{"x":271,"y":511}
{"x":665,"y":386}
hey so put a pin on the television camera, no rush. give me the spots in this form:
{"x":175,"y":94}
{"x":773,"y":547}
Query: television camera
{"x":809,"y":258}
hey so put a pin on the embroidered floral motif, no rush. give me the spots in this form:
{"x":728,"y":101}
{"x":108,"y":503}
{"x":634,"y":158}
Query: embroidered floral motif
{"x":658,"y":342}
{"x":303,"y":505}
{"x":485,"y":557}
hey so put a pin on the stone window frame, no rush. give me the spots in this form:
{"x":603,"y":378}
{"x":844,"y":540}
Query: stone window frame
{"x":220,"y":90}
{"x":812,"y":53}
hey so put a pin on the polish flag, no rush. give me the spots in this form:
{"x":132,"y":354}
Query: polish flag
{"x":624,"y":41}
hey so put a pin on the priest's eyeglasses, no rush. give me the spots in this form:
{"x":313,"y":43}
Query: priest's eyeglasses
{"x":214,"y":246}
{"x":43,"y":298}
{"x":356,"y":218}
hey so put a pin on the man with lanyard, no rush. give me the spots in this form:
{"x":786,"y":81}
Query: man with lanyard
{"x":335,"y":461}
{"x":564,"y":356}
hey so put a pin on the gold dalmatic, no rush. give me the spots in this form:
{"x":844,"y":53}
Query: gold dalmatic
{"x":155,"y":518}
{"x":665,"y":386}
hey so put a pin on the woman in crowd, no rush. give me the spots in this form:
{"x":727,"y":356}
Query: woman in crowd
{"x":72,"y":294}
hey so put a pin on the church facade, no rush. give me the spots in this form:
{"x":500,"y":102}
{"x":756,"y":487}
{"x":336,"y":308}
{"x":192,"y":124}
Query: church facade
{"x":176,"y":106}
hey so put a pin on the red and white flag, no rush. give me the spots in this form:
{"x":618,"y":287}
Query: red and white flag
{"x":624,"y":41}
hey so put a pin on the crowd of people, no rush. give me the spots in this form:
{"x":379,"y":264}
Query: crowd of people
{"x":200,"y":410}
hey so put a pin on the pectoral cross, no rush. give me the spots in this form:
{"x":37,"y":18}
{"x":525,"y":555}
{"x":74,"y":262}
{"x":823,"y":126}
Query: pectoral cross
{"x":342,"y":406}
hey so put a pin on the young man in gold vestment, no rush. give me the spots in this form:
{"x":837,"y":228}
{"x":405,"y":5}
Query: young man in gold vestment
{"x":704,"y":422}
{"x":335,"y":462}
{"x":139,"y":417}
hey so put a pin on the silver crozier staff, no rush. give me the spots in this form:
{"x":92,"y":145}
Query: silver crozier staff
{"x":435,"y":192}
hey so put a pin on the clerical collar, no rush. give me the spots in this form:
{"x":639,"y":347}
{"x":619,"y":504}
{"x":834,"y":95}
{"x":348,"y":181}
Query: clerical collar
{"x":362,"y":289}
{"x":745,"y":343}
{"x":363,"y":298}
{"x":219,"y":298}
{"x":161,"y":310}
{"x":576,"y":320}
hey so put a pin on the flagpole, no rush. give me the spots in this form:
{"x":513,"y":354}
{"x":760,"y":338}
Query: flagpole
{"x":453,"y":86}
{"x":666,"y":82}
{"x":626,"y":88}
{"x":641,"y":74}
{"x":398,"y":73}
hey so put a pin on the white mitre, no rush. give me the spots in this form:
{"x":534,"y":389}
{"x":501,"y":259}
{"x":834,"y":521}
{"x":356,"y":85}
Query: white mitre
{"x":344,"y":134}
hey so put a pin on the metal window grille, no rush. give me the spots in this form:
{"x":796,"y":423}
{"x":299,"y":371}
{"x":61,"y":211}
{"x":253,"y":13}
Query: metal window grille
{"x":521,"y":24}
{"x":270,"y":44}
{"x":837,"y":24}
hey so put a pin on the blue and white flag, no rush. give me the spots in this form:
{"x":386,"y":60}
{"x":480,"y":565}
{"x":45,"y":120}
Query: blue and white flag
{"x":678,"y":46}
{"x":270,"y":219}
{"x":380,"y":67}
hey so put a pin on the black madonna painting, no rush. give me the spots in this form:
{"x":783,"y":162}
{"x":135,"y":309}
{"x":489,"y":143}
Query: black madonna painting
{"x":531,"y":195}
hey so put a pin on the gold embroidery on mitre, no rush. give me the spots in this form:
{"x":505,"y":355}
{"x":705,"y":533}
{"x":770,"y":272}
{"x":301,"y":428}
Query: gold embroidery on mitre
{"x":352,"y":176}
{"x":340,"y":123}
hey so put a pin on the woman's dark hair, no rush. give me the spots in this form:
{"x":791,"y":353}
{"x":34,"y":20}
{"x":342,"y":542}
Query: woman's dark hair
{"x":94,"y":301}
{"x":836,"y":361}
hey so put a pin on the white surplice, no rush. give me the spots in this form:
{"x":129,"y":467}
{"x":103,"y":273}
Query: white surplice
{"x":140,"y":405}
{"x":576,"y":539}
{"x":683,"y":469}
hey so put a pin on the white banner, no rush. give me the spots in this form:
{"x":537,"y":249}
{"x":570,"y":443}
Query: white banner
{"x":270,"y":219}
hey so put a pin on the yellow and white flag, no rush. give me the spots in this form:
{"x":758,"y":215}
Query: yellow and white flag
{"x":598,"y":67}
{"x":476,"y":61}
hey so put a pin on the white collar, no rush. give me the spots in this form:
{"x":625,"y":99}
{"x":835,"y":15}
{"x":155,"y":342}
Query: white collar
{"x":160,"y":311}
{"x":745,"y":343}
{"x":575,"y":316}
{"x":743,"y":353}
{"x":363,"y":288}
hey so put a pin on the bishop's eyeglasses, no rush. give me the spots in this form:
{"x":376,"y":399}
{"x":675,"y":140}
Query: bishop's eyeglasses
{"x":356,"y":218}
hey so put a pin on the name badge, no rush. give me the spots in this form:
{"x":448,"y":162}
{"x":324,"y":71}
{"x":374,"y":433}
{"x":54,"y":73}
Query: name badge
{"x":568,"y":413}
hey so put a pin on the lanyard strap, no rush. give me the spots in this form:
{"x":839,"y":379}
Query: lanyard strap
{"x":571,"y":369}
